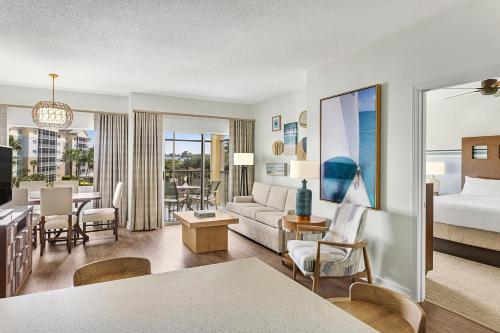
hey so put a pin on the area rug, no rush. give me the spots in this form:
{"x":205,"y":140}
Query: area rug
{"x":465,"y":287}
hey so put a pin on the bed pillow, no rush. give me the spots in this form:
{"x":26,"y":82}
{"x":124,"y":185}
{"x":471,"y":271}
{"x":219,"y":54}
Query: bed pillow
{"x":480,"y":186}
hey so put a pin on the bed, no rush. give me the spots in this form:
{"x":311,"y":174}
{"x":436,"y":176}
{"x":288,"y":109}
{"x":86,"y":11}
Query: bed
{"x":467,"y":224}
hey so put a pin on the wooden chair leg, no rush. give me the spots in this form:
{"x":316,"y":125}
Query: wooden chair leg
{"x":116,"y":225}
{"x":41,"y":228}
{"x":315,"y":284}
{"x":84,"y":232}
{"x":367,"y":266}
{"x":69,"y":233}
{"x":294,"y":271}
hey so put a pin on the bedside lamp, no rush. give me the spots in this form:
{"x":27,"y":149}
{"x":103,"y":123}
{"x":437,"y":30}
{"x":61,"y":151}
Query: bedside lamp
{"x":304,"y":170}
{"x":243,"y":160}
{"x":434,"y":169}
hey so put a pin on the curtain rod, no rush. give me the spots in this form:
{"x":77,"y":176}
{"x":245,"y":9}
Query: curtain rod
{"x":192,"y":115}
{"x":75,"y":110}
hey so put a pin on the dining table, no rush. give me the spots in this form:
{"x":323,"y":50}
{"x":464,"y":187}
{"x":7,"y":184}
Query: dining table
{"x":79,"y":198}
{"x":244,"y":295}
{"x":187,"y":189}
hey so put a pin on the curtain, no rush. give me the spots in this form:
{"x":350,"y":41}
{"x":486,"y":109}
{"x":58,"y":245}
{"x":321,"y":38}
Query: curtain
{"x":110,"y":159}
{"x":147,"y":205}
{"x":241,"y":140}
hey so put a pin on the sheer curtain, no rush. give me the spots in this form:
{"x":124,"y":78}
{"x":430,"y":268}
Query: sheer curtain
{"x":110,"y":159}
{"x":147,"y":205}
{"x":241,"y":140}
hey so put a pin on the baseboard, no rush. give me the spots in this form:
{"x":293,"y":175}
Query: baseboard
{"x":394,"y":286}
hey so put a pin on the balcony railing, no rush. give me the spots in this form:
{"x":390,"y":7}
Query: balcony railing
{"x":193,"y":177}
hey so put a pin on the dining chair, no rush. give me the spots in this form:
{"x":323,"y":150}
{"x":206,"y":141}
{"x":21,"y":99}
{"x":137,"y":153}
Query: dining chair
{"x":56,"y":215}
{"x":383,"y":309}
{"x":338,"y":254}
{"x":211,"y":196}
{"x":33,"y":186}
{"x":172,"y":198}
{"x":102,"y":219}
{"x":110,"y":270}
{"x":68,"y":183}
{"x":20,"y":197}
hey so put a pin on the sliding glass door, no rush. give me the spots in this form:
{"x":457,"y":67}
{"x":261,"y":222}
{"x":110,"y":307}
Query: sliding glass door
{"x":194,"y":162}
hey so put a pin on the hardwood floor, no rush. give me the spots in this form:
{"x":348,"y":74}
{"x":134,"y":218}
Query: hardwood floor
{"x":165,"y":251}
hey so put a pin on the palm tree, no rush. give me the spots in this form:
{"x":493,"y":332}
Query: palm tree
{"x":89,"y":160}
{"x":33,"y":164}
{"x":70,"y":156}
{"x":15,"y":144}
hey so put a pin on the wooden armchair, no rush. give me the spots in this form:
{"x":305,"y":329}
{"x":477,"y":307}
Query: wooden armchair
{"x":338,"y":254}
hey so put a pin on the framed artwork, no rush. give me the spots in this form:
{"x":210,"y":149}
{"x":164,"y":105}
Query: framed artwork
{"x":302,"y":149}
{"x":290,"y":138}
{"x":276,"y":123}
{"x":350,"y":147}
{"x":277,"y":169}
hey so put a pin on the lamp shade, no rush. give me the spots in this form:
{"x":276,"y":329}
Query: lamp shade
{"x":243,"y":158}
{"x":304,"y":169}
{"x":435,"y":168}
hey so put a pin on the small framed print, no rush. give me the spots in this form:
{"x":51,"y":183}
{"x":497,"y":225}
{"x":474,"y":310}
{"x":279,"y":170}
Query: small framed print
{"x":276,"y":123}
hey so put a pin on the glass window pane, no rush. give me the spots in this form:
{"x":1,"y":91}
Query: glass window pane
{"x":187,"y":136}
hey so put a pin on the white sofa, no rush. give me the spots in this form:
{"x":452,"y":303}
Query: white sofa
{"x":260,"y":214}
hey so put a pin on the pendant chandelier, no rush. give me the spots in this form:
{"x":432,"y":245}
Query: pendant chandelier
{"x":52,"y":114}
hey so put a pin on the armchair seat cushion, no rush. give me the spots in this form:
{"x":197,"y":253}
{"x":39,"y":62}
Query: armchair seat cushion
{"x":272,"y":219}
{"x":58,"y":221}
{"x":237,"y":207}
{"x":98,"y":214}
{"x":332,"y":259}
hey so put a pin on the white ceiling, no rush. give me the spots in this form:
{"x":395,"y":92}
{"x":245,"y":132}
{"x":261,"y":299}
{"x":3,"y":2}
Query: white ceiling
{"x":238,"y":50}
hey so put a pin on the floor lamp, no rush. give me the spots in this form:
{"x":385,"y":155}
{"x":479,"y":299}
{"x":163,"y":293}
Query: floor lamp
{"x":243,"y":160}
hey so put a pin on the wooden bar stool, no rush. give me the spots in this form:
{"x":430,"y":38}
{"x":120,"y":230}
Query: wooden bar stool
{"x":383,"y":309}
{"x":110,"y":270}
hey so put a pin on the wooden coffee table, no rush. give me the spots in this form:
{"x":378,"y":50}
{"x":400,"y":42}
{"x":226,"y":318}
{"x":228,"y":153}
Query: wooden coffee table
{"x":205,"y":234}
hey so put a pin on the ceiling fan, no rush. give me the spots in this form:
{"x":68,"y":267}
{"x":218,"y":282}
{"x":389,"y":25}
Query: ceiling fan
{"x":488,"y":87}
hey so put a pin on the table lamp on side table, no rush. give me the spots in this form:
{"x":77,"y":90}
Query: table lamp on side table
{"x":434,"y":169}
{"x":304,"y":170}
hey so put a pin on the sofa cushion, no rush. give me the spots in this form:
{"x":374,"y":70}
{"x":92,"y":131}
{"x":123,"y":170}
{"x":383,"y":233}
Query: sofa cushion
{"x":251,"y":211}
{"x":236,"y":207}
{"x":277,"y":197}
{"x":260,"y":193}
{"x":290,"y":200}
{"x":272,"y":219}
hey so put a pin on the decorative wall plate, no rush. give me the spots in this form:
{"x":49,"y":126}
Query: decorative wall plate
{"x":303,"y":119}
{"x":278,"y":147}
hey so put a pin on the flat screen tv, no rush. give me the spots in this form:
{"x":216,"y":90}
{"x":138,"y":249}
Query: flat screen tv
{"x":5,"y":174}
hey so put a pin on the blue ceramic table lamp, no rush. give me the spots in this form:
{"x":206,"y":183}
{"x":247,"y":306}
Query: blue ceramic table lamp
{"x":304,"y":170}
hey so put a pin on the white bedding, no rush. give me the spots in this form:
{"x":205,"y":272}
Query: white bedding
{"x":471,"y":211}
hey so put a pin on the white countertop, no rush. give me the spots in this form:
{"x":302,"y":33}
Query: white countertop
{"x":238,"y":296}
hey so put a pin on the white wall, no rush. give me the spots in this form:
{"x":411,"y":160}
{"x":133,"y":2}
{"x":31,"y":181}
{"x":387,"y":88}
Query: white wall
{"x":443,"y":47}
{"x":21,"y":117}
{"x":449,"y":120}
{"x":195,"y":125}
{"x":289,"y":106}
{"x":76,"y":100}
{"x":170,"y":104}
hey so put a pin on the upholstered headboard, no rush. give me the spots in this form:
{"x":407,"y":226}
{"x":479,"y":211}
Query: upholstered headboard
{"x":481,"y":157}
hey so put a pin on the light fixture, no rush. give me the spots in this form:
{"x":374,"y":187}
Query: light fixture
{"x":304,"y":170}
{"x":243,"y":160}
{"x":52,"y":114}
{"x":434,"y":169}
